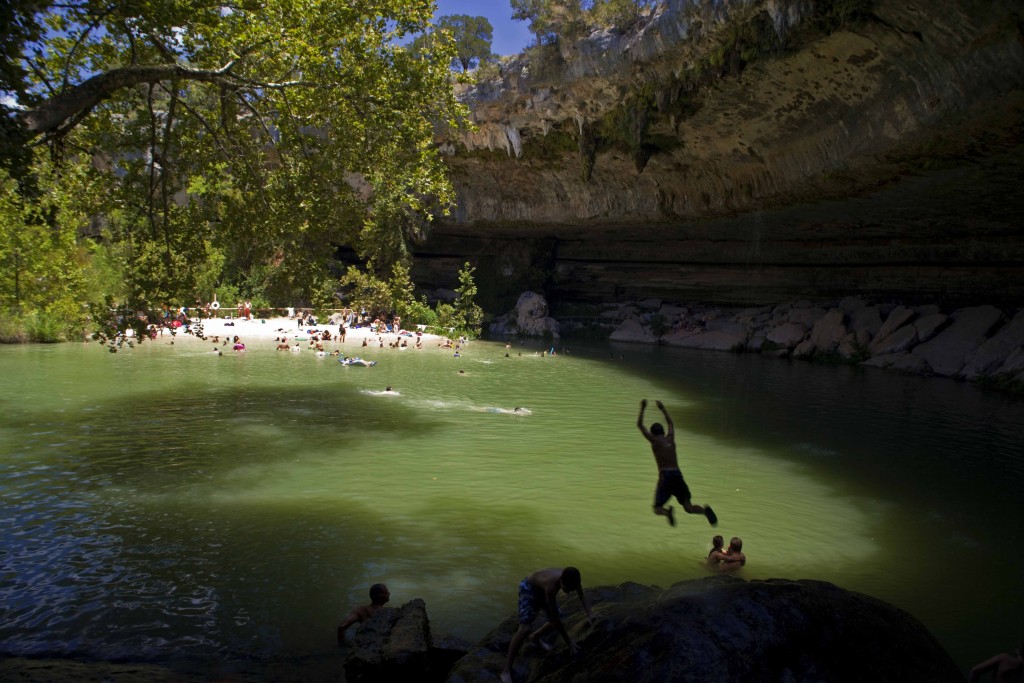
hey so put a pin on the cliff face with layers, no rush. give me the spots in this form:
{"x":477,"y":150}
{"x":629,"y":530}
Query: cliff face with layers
{"x":751,"y":152}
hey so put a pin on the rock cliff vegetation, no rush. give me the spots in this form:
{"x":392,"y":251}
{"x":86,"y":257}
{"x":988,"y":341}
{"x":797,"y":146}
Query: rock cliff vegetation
{"x":750,"y":153}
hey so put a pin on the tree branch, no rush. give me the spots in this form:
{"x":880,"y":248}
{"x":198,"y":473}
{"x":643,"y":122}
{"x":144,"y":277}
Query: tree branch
{"x":51,"y":114}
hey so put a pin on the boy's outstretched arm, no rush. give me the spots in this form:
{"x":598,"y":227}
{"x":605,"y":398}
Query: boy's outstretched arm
{"x":668,"y":418}
{"x":640,"y":420}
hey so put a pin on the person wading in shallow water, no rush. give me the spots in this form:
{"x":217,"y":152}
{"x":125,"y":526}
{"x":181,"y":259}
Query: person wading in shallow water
{"x":670,"y":479}
{"x":379,"y":595}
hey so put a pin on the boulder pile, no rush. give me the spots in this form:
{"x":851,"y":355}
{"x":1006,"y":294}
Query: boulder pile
{"x":967,"y":343}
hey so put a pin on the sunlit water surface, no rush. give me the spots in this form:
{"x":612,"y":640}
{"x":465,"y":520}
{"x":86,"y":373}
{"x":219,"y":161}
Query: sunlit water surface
{"x":166,"y":503}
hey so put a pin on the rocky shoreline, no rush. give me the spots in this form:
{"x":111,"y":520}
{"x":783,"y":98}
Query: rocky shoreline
{"x":719,"y":628}
{"x":976,"y":343}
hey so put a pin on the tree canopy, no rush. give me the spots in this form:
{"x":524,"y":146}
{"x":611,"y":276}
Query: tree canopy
{"x":553,"y":19}
{"x":472,"y":35}
{"x":472,"y":38}
{"x":257,"y":135}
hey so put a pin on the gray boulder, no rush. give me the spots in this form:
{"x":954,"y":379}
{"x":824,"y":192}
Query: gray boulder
{"x":787,"y":335}
{"x":631,"y":330}
{"x":714,"y":340}
{"x":991,"y":355}
{"x":897,"y":342}
{"x":804,"y":349}
{"x":805,"y":316}
{"x":852,"y":304}
{"x":532,"y":316}
{"x":848,"y":347}
{"x":649,"y":304}
{"x":947,"y":352}
{"x":829,"y":331}
{"x":392,"y":644}
{"x":929,"y":325}
{"x":1014,"y":363}
{"x":724,"y":629}
{"x":896,"y":319}
{"x":867,"y":320}
{"x":903,"y":362}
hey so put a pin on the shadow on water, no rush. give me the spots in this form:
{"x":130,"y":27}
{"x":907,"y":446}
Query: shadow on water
{"x":181,"y":523}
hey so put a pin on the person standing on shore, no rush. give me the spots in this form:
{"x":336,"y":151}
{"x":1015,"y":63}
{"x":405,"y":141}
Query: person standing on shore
{"x":670,"y":479}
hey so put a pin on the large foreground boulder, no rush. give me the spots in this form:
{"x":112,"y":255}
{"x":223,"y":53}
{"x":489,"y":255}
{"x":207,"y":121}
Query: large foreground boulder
{"x":725,"y":629}
{"x":391,"y":643}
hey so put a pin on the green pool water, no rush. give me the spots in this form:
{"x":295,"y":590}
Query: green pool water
{"x":165,"y":502}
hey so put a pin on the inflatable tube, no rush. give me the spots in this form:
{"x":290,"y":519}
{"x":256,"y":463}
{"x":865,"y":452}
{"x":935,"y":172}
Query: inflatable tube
{"x":215,"y":305}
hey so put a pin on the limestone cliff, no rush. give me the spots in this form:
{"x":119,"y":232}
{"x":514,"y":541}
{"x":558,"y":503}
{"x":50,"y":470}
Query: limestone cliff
{"x":749,"y":152}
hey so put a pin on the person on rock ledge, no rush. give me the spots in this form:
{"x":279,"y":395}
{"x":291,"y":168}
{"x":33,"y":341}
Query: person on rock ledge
{"x":379,"y":596}
{"x":538,"y":592}
{"x":670,"y":479}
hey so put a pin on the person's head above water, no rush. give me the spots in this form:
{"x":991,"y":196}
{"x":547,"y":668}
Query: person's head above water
{"x":657,"y":429}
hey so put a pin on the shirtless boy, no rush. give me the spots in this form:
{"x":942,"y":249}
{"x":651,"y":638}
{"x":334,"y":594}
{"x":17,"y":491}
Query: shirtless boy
{"x":379,"y":595}
{"x":670,"y":479}
{"x":538,"y":592}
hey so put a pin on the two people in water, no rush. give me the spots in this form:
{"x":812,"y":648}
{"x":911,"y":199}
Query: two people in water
{"x":729,"y":559}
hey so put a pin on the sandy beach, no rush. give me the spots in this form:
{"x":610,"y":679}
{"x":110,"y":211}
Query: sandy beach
{"x":259,"y":334}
